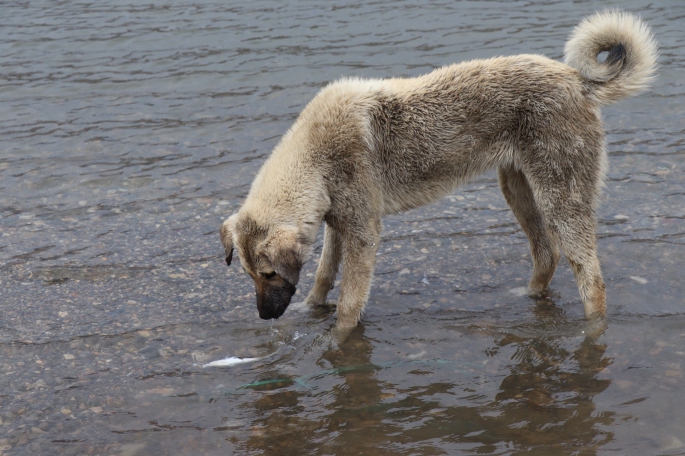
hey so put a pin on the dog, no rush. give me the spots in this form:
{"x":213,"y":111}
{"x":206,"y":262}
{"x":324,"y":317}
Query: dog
{"x":362,"y":149}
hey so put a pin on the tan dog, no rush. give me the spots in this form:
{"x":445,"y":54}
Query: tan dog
{"x":362,"y":149}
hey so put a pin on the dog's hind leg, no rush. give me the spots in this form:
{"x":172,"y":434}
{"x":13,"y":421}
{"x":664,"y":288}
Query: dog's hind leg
{"x":544,"y":244}
{"x":327,"y":269}
{"x":358,"y":258}
{"x":578,"y":240}
{"x":567,"y":205}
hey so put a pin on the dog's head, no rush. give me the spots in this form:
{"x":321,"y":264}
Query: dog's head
{"x":271,"y":255}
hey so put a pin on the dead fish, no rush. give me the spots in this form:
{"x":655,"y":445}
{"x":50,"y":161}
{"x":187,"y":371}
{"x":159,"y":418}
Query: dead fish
{"x":233,"y":360}
{"x":230,"y":361}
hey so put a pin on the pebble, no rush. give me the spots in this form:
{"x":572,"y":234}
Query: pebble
{"x":417,"y":355}
{"x":668,"y":443}
{"x":131,"y":449}
{"x":519,"y":291}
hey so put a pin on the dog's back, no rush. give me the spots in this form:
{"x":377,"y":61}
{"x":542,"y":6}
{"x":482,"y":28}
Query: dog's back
{"x":437,"y":131}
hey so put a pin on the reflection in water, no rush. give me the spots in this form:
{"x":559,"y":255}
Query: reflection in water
{"x":352,"y":406}
{"x":551,"y":388}
{"x":545,"y":400}
{"x":543,"y":395}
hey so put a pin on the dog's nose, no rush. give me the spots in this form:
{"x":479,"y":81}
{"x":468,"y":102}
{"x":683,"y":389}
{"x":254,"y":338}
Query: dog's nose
{"x":268,"y":314}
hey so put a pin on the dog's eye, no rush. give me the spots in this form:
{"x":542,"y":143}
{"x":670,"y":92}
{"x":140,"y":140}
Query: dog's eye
{"x":269,"y":275}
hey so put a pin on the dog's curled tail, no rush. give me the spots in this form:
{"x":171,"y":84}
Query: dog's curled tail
{"x":630,"y":65}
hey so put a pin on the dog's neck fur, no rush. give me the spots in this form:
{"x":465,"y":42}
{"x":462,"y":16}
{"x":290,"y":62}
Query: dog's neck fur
{"x":302,"y":204}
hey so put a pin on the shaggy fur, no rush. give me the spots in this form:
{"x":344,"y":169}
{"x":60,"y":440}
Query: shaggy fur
{"x":362,"y":149}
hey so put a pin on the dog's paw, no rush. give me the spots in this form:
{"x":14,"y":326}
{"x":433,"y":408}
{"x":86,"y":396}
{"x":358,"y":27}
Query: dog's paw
{"x":533,"y":294}
{"x":341,"y":333}
{"x":299,"y":306}
{"x":536,"y":293}
{"x":314,"y":301}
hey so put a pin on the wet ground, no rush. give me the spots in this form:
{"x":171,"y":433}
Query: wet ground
{"x":130,"y":131}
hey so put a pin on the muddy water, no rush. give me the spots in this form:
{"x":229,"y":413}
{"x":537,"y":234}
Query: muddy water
{"x":130,"y":131}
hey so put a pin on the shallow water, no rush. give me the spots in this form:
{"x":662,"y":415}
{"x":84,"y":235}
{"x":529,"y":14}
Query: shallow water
{"x":130,"y":131}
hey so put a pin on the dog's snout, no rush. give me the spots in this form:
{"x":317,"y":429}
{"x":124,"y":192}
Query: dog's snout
{"x":273,"y":300}
{"x":268,"y":314}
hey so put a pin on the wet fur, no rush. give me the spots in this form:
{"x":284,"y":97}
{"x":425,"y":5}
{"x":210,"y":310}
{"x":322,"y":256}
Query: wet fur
{"x":362,"y":149}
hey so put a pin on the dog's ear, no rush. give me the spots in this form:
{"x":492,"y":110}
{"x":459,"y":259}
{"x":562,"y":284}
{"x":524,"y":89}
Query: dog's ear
{"x":227,"y":237}
{"x":284,"y":251}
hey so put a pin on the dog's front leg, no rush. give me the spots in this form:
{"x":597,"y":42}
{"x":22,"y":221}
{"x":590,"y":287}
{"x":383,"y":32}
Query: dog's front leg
{"x":328,"y":268}
{"x":358,"y":258}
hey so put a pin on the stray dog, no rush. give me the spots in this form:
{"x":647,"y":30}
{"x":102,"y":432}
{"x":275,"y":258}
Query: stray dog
{"x":362,"y":149}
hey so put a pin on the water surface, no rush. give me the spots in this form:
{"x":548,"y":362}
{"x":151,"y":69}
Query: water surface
{"x":130,"y":131}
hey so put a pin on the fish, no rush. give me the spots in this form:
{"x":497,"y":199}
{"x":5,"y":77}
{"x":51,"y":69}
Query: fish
{"x":230,"y":361}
